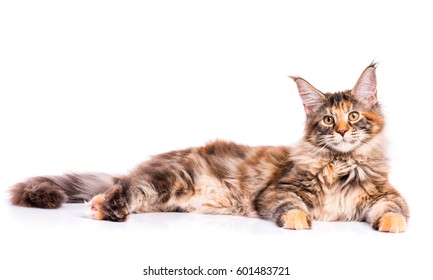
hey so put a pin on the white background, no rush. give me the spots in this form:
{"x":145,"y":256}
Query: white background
{"x":102,"y":85}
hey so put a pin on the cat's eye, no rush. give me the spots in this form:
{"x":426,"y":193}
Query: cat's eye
{"x":328,"y":120}
{"x":353,"y":116}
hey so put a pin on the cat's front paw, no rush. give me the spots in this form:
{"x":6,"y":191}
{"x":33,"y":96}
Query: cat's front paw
{"x":392,"y":222}
{"x":111,"y":206}
{"x":295,"y":219}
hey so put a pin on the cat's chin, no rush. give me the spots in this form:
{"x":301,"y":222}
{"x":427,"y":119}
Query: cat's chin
{"x":345,"y":147}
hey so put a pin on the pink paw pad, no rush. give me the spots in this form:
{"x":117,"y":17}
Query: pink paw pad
{"x":95,"y":207}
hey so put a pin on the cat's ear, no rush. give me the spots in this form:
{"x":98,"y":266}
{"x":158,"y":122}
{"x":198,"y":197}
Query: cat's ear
{"x":311,"y":97}
{"x":365,"y":89}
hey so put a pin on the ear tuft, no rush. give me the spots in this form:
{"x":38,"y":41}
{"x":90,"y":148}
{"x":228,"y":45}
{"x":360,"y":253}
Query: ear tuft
{"x":365,"y":89}
{"x":311,"y":97}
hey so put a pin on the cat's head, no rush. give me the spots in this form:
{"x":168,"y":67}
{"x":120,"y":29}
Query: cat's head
{"x":344,"y":121}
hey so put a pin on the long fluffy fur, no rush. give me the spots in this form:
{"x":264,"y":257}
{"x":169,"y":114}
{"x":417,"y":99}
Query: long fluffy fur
{"x":53,"y":191}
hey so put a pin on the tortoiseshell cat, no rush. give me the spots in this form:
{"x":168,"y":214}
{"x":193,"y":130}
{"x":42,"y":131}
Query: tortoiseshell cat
{"x":337,"y":172}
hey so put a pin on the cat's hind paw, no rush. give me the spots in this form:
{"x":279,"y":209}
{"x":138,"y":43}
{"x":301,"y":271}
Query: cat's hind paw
{"x":392,"y":222}
{"x":295,"y":219}
{"x":111,"y":205}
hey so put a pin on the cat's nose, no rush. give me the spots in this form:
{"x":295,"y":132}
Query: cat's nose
{"x":342,"y":131}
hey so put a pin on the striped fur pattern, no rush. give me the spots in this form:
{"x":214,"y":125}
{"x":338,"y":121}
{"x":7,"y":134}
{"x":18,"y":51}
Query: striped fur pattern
{"x":336,"y":172}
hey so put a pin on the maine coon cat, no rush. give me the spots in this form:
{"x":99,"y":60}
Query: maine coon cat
{"x":337,"y":172}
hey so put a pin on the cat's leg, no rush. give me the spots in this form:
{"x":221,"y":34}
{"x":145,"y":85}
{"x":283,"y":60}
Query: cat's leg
{"x":388,"y":212}
{"x":122,"y":199}
{"x":164,"y":184}
{"x":288,"y":209}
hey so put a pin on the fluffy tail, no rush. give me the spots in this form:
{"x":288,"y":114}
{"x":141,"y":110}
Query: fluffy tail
{"x":52,"y":191}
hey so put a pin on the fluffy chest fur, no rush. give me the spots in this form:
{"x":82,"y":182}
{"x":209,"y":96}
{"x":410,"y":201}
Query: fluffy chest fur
{"x":340,"y":185}
{"x":339,"y":188}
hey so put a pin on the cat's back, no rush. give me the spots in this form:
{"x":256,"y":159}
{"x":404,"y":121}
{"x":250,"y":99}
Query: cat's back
{"x":244,"y":167}
{"x":248,"y":168}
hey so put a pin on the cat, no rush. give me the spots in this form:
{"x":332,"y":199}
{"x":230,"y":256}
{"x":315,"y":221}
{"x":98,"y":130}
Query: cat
{"x":336,"y":172}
